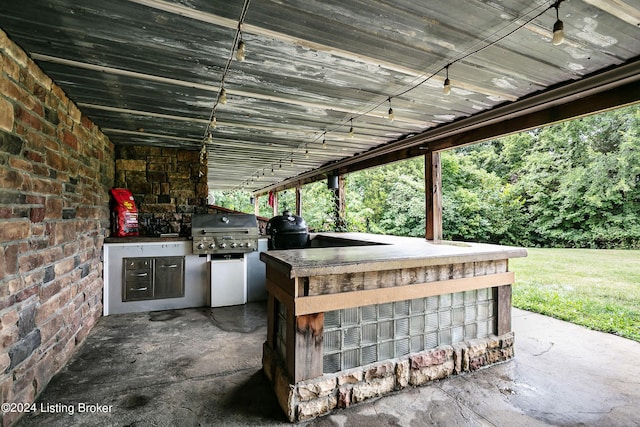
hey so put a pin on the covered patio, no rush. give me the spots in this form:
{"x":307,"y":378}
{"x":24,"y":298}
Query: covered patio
{"x":201,"y":367}
{"x":172,"y":98}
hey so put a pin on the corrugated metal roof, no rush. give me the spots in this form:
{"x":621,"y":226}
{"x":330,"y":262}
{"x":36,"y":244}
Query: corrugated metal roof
{"x":148,"y":71}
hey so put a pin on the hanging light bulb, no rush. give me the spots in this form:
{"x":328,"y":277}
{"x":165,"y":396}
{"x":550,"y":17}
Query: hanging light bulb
{"x":203,"y":153}
{"x":446,"y":89}
{"x":558,"y":27}
{"x":280,"y":167}
{"x":214,"y":122}
{"x":240,"y":51}
{"x":222,"y":99}
{"x":209,"y":138}
{"x":391,"y":116}
{"x":351,"y":129}
{"x":324,"y":141}
{"x":272,"y":172}
{"x":306,"y":153}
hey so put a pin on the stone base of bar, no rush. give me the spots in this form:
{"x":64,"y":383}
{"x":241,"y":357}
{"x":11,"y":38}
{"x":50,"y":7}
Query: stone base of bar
{"x":319,"y":396}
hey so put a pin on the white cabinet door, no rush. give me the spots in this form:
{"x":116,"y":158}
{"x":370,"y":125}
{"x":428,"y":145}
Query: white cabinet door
{"x":228,"y":282}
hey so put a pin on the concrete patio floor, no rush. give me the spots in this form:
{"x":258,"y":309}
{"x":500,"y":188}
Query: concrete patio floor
{"x":202,"y":367}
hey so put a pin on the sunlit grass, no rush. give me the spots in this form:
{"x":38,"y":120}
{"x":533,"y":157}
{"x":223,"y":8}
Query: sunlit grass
{"x":599,"y":289}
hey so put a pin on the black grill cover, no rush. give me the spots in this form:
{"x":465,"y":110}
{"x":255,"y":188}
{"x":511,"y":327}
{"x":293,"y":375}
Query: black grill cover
{"x":287,"y":231}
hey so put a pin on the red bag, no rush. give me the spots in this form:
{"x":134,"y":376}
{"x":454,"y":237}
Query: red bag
{"x":124,"y":213}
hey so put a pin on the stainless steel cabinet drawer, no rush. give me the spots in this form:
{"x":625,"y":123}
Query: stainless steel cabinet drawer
{"x":137,"y":283}
{"x":152,"y":278}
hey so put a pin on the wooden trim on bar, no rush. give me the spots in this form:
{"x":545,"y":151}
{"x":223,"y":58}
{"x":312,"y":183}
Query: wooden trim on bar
{"x":323,"y":303}
{"x":308,"y":344}
{"x":281,"y":295}
{"x":504,"y":310}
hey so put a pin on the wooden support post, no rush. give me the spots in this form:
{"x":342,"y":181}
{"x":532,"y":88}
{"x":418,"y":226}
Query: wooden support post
{"x":298,"y":199}
{"x":256,"y":205}
{"x":339,"y":205}
{"x":503,"y":306}
{"x":308,"y":346}
{"x":275,"y":203}
{"x":433,"y":189}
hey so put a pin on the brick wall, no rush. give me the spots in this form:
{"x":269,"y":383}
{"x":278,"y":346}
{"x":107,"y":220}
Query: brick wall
{"x":168,"y":184}
{"x":56,"y":168}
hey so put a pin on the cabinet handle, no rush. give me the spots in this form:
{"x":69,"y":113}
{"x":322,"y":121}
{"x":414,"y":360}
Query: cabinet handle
{"x":170,"y":266}
{"x":142,"y":274}
{"x":138,"y":289}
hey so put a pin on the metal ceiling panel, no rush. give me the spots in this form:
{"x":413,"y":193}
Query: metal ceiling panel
{"x":148,"y":72}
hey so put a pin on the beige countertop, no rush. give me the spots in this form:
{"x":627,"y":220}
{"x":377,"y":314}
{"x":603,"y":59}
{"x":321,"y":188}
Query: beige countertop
{"x":380,"y":252}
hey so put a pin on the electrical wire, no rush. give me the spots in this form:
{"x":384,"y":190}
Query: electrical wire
{"x":243,"y":14}
{"x":485,"y":44}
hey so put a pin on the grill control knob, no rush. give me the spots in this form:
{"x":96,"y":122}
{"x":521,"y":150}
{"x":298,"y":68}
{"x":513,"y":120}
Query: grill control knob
{"x":248,"y":244}
{"x":212,"y":245}
{"x":234,"y":245}
{"x":223,"y":245}
{"x":200,"y":245}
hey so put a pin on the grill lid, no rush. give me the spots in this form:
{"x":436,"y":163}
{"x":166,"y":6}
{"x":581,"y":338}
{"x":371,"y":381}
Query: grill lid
{"x":220,"y":222}
{"x":224,"y":233}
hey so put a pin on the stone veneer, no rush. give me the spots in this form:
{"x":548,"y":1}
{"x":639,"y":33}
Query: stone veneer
{"x":56,"y":168}
{"x":319,"y":396}
{"x":168,"y":184}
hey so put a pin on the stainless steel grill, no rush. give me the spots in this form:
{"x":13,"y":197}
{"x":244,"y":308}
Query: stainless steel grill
{"x":221,"y":234}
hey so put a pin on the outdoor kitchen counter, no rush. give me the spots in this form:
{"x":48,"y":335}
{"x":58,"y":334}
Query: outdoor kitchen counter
{"x":358,"y":301}
{"x":146,"y":239}
{"x":359,"y":252}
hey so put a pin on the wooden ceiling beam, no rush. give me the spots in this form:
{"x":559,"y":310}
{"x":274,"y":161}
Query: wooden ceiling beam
{"x":619,"y":9}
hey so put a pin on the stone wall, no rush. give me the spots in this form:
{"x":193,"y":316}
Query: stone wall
{"x":319,"y":396}
{"x":168,"y":184}
{"x":56,"y":168}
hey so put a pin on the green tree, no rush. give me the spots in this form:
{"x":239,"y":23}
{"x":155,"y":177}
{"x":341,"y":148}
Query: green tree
{"x":476,"y":204}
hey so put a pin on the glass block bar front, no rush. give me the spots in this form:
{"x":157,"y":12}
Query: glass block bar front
{"x":358,"y":336}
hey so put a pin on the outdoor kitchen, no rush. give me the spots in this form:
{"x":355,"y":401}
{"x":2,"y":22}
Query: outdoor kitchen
{"x":350,"y":316}
{"x":121,"y":280}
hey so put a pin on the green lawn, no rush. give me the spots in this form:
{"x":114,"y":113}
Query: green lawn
{"x":599,"y":289}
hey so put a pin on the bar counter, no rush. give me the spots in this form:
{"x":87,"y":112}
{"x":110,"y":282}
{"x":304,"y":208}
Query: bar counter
{"x":348,"y":314}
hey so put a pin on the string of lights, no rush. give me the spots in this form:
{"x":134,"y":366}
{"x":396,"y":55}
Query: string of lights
{"x":487,"y":42}
{"x":238,"y":47}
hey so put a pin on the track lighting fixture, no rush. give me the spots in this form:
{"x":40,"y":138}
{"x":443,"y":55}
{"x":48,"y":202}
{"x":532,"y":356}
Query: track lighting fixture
{"x":391,"y":116}
{"x":446,"y":89}
{"x":222,"y":99}
{"x":558,"y":27}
